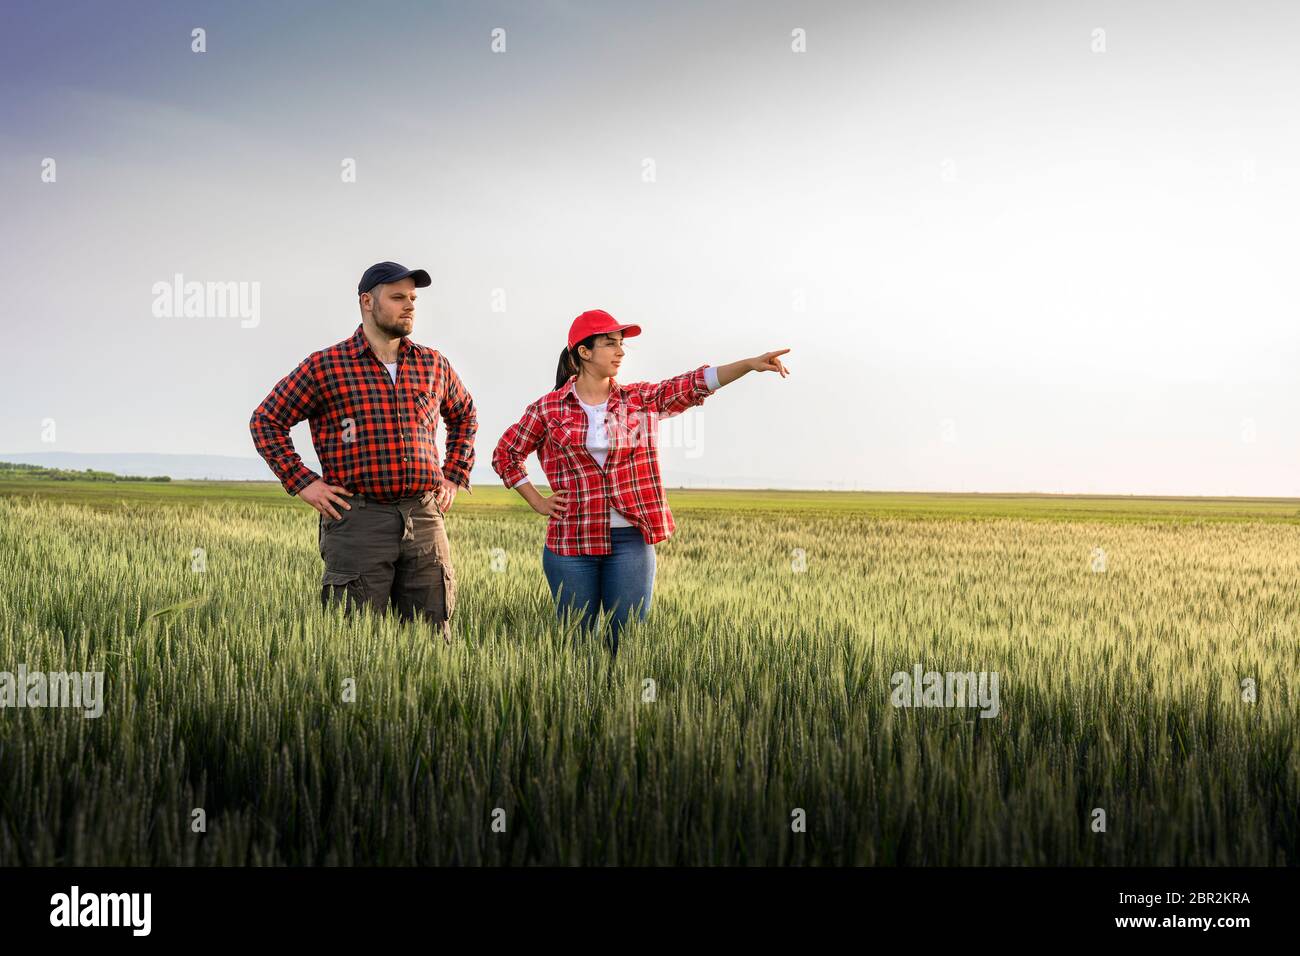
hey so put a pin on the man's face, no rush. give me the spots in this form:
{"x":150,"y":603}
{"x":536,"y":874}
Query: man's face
{"x":392,"y":306}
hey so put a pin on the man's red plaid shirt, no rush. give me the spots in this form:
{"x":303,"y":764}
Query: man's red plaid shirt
{"x":555,"y":426}
{"x":372,"y":436}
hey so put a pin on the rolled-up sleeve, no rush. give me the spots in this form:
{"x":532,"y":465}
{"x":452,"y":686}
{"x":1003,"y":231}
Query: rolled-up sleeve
{"x":674,"y":395}
{"x":519,"y":441}
{"x":457,"y":411}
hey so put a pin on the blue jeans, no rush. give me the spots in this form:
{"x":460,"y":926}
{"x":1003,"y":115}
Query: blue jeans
{"x":621,"y":582}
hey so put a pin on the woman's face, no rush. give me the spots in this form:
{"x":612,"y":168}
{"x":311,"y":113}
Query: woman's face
{"x":605,"y":356}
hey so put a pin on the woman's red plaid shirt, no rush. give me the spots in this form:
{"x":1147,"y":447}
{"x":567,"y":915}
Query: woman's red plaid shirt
{"x":555,"y":426}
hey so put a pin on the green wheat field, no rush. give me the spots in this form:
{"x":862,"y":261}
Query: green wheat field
{"x":757,"y":693}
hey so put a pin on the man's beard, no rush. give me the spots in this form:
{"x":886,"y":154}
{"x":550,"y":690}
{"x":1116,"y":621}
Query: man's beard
{"x":396,"y":327}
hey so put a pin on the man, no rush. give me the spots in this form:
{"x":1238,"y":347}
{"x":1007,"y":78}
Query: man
{"x":374,"y":401}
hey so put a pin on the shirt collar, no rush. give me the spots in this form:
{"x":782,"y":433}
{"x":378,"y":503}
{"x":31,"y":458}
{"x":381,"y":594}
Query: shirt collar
{"x":569,"y":390}
{"x":359,"y":344}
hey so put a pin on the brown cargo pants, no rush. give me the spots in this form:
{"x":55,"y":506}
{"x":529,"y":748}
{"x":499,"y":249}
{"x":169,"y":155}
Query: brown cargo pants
{"x":381,"y":554}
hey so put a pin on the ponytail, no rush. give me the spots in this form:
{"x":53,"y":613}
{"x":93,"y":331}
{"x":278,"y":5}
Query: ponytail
{"x":564,"y":369}
{"x":570,"y":363}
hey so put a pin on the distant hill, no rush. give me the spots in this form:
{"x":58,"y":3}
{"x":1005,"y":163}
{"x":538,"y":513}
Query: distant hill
{"x":188,"y":467}
{"x":9,"y":469}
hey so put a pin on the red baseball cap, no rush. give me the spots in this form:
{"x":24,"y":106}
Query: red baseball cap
{"x":596,"y":321}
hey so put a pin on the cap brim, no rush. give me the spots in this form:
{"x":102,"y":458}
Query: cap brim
{"x":628,"y":330}
{"x":419,"y":275}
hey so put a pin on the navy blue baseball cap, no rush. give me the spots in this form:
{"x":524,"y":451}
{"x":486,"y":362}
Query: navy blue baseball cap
{"x":382,"y":272}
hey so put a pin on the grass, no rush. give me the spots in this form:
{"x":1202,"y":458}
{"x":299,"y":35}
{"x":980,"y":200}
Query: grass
{"x":227,"y":688}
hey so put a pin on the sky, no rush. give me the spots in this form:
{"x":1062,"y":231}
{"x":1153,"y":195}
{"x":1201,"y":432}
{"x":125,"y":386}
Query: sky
{"x":1034,"y":246}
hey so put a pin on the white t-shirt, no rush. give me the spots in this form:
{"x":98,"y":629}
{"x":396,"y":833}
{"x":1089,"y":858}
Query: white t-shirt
{"x":392,"y":370}
{"x":598,"y":445}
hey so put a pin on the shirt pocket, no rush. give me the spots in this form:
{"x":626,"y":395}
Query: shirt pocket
{"x":564,"y":434}
{"x":425,"y":409}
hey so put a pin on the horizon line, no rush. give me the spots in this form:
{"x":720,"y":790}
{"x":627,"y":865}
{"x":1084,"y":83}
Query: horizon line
{"x":270,"y":479}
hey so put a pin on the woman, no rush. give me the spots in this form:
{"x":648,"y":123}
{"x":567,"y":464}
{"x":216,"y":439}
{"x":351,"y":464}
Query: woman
{"x":598,"y":444}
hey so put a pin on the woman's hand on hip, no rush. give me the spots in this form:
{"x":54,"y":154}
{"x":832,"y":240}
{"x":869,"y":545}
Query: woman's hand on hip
{"x":554,"y":506}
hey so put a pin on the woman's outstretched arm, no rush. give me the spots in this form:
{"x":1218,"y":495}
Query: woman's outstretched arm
{"x":767,"y":362}
{"x":675,"y":395}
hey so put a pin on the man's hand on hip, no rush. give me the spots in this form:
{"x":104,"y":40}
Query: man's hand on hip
{"x":325,"y":497}
{"x":446,"y":495}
